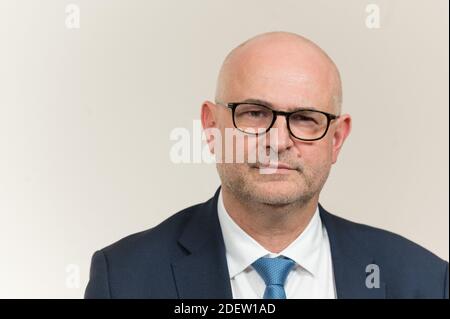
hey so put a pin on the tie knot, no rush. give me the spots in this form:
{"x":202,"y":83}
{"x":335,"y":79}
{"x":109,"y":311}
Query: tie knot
{"x":273,"y":271}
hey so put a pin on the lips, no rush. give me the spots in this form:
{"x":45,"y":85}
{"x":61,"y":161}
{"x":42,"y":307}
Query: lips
{"x":275,"y":166}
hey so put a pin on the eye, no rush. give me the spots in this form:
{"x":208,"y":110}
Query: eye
{"x":303,"y":118}
{"x":256,"y":114}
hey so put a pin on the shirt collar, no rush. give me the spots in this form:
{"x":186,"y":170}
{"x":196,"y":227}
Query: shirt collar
{"x":242,"y":250}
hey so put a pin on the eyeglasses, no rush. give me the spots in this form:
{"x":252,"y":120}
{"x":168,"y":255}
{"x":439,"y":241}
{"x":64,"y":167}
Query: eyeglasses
{"x":303,"y":124}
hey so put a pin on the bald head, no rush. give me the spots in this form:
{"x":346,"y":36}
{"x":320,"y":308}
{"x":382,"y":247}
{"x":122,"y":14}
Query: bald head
{"x":283,"y":68}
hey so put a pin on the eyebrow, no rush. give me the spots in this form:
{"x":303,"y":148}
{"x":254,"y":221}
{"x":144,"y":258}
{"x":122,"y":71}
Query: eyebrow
{"x":271,"y":106}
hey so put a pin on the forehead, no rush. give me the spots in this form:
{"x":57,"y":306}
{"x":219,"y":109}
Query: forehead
{"x":286,"y":79}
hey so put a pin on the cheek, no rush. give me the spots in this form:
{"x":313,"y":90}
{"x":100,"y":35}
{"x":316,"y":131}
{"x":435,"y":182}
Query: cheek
{"x":316,"y":156}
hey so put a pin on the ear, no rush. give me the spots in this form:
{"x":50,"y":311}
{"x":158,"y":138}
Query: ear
{"x":343,"y":128}
{"x":209,"y":123}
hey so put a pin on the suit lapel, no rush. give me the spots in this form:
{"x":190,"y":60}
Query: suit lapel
{"x":350,"y":260}
{"x":203,"y":272}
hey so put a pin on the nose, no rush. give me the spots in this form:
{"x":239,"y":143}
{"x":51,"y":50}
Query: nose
{"x":283,"y":139}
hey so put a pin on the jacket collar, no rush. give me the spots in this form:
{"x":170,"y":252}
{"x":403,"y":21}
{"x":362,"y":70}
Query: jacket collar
{"x":203,"y":272}
{"x":350,"y":260}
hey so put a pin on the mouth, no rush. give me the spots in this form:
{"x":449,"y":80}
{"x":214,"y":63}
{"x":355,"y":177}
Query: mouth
{"x":274,"y":168}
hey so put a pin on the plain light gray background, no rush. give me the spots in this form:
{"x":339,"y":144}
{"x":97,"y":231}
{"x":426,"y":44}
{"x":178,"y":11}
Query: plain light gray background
{"x":85,"y":118}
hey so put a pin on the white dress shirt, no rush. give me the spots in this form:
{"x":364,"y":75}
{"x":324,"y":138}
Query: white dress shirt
{"x":311,"y":277}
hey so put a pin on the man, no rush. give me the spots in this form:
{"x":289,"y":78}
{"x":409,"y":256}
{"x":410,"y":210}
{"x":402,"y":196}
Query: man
{"x":264,"y":234}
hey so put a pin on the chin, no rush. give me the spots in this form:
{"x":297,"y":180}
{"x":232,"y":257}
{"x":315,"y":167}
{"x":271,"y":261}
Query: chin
{"x":277,"y":192}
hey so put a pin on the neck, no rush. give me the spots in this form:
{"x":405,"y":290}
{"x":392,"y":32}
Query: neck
{"x":273,"y":227}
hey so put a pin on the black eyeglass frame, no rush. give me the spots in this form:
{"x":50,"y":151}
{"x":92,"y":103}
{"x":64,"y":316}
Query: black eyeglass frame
{"x":234,"y":105}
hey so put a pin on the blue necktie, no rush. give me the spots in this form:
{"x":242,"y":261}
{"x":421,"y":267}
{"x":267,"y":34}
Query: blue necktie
{"x":274,"y":272}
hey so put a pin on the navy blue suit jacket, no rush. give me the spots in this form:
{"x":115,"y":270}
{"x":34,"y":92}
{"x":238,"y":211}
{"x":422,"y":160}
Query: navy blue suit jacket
{"x":184,"y":257}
